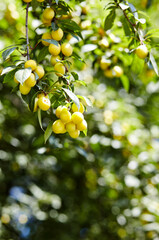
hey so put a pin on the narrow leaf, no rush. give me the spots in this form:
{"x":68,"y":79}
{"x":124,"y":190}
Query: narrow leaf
{"x":125,"y":82}
{"x":154,"y":64}
{"x":72,"y":96}
{"x":50,"y":41}
{"x":39,"y":118}
{"x":48,"y":132}
{"x":54,"y":26}
{"x":76,"y":56}
{"x":85,"y":132}
{"x":75,"y":75}
{"x":43,"y":53}
{"x":70,"y":26}
{"x":109,"y":20}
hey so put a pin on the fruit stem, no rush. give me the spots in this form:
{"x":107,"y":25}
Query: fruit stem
{"x":27,"y":37}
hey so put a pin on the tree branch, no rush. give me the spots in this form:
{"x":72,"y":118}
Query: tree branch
{"x":27,"y":37}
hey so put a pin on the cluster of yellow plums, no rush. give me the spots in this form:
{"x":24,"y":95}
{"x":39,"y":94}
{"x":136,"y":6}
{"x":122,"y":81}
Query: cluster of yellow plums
{"x":117,"y":71}
{"x":55,"y":49}
{"x":71,"y":123}
{"x":31,"y":80}
{"x":109,"y":72}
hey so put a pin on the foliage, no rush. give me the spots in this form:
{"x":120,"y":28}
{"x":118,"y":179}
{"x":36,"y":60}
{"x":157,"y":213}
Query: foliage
{"x":104,"y":185}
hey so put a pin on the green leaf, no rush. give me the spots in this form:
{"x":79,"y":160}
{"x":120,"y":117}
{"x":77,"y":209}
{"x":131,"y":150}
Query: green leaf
{"x":87,"y":100}
{"x":85,"y":132}
{"x":48,"y":132}
{"x":109,"y":20}
{"x":54,"y":26}
{"x":75,"y":75}
{"x":137,"y":64}
{"x":32,"y":95}
{"x":126,"y":26}
{"x":42,"y":54}
{"x":153,"y":33}
{"x":9,"y":76}
{"x":72,"y":96}
{"x":50,"y":41}
{"x":23,"y":74}
{"x":81,"y":82}
{"x":34,"y":4}
{"x":125,"y":82}
{"x":76,"y":56}
{"x":8,"y":52}
{"x":73,"y":35}
{"x":154,"y":64}
{"x":39,"y":118}
{"x":70,"y":26}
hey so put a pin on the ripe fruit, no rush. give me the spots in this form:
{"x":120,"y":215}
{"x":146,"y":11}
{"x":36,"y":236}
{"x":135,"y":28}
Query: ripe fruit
{"x":85,"y":9}
{"x":44,"y":103}
{"x":46,"y":36}
{"x":57,"y":35}
{"x":58,"y":110}
{"x":108,"y":73}
{"x":74,"y":134}
{"x":75,"y":108}
{"x":58,"y":127}
{"x":54,"y":50}
{"x":66,"y":49}
{"x":31,"y":81}
{"x":118,"y":71}
{"x":24,"y":89}
{"x":46,"y":22}
{"x":54,"y":59}
{"x":104,"y":63}
{"x":77,"y":117}
{"x":60,"y":68}
{"x":27,"y":1}
{"x":35,"y":104}
{"x":82,"y":126}
{"x":48,"y":14}
{"x":104,"y":43}
{"x":30,"y":63}
{"x":65,"y":116}
{"x":70,"y":127}
{"x":142,"y":51}
{"x":40,"y":71}
{"x":40,"y":0}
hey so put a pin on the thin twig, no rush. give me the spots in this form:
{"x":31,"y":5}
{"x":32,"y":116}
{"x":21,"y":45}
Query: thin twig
{"x":27,"y":37}
{"x":132,"y":24}
{"x":126,"y":16}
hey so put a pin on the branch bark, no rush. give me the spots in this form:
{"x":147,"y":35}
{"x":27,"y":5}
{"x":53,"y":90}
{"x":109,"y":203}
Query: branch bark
{"x":27,"y":36}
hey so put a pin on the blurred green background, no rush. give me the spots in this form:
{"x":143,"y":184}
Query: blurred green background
{"x":103,"y":186}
